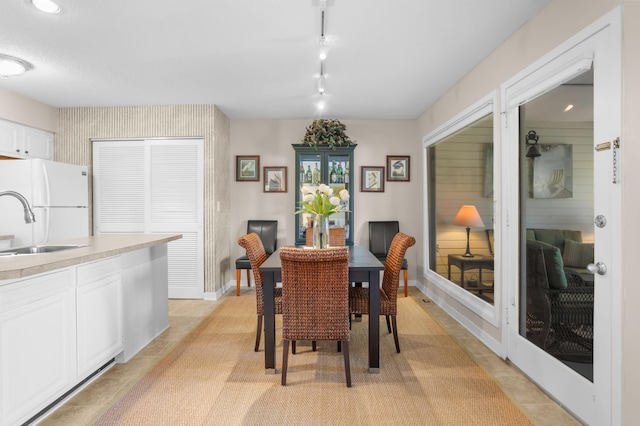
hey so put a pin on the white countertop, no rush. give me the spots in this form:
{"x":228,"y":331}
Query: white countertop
{"x":100,"y":246}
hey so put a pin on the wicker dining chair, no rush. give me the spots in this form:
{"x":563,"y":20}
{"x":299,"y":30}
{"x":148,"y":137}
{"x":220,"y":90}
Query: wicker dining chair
{"x":257,"y":255}
{"x":336,"y":237}
{"x":359,"y":297}
{"x":315,"y":299}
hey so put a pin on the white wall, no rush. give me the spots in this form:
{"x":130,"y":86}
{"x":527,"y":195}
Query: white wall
{"x":272,"y":139}
{"x":19,"y":109}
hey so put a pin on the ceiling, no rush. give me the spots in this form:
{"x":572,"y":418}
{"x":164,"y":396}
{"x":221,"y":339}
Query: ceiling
{"x":255,"y":59}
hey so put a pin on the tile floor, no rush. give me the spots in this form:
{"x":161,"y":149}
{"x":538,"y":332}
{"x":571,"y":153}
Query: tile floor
{"x":87,"y":405}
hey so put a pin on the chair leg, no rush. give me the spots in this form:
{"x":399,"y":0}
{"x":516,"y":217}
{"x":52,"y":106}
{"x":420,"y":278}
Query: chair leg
{"x":339,"y":345}
{"x":238,"y":282}
{"x":395,"y":333}
{"x":347,"y":366}
{"x":388,"y":324}
{"x":314,"y":346}
{"x":285,"y":360}
{"x":406,"y":283}
{"x":293,"y":347}
{"x":258,"y":333}
{"x":248,"y":277}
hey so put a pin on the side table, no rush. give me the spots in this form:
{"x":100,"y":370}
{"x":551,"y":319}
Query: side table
{"x":479,"y":262}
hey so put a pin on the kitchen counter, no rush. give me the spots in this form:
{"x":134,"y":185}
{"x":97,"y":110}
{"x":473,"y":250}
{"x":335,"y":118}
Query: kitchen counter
{"x":100,"y":246}
{"x":65,"y":315}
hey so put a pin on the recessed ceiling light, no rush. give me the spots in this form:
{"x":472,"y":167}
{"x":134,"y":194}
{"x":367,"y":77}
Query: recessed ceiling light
{"x":568,"y":108}
{"x":46,"y":6}
{"x":11,"y":66}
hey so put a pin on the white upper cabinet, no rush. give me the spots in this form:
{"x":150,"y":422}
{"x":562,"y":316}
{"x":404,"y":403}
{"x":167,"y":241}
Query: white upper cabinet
{"x":20,"y":141}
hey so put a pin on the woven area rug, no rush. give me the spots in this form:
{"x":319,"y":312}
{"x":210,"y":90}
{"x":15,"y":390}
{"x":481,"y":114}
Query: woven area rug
{"x":213,"y":377}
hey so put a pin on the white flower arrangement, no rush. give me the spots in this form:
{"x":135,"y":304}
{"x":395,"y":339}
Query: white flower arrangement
{"x":322,"y":201}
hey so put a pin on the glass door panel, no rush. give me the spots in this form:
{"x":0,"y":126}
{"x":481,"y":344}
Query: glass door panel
{"x":557,"y":238}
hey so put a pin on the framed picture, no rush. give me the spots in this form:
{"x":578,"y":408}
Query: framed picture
{"x":398,"y":168}
{"x":553,"y":172}
{"x":372,"y":179}
{"x":275,"y":179}
{"x":247,"y":168}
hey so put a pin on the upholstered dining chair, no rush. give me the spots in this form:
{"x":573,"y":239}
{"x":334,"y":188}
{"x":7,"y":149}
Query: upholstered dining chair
{"x":359,"y":297}
{"x":315,"y":299}
{"x":381,"y":234}
{"x":336,"y":237}
{"x":257,"y":255}
{"x":267,"y":230}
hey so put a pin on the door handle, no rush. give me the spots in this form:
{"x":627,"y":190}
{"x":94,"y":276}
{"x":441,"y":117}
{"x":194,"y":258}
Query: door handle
{"x":599,"y":268}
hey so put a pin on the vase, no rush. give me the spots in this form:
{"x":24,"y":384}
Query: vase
{"x":321,"y":231}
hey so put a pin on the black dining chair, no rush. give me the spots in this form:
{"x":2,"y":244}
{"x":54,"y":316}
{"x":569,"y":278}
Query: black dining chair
{"x":381,"y":234}
{"x":267,"y":230}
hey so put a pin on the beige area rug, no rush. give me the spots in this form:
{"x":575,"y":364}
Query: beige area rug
{"x":213,"y":377}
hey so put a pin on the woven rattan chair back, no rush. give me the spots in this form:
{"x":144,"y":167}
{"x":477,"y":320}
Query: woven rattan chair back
{"x":315,"y":298}
{"x":359,"y":297}
{"x":336,"y":237}
{"x":257,"y":255}
{"x":390,"y":279}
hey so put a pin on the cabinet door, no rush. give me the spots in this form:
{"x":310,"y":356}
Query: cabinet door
{"x":37,"y":344}
{"x":37,"y":144}
{"x":8,"y":138}
{"x":333,"y":168}
{"x":99,"y":314}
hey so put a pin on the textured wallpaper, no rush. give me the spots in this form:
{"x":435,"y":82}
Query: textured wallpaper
{"x":77,"y":127}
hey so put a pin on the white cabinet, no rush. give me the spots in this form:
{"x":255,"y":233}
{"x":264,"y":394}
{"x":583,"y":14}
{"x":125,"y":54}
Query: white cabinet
{"x":37,"y":343}
{"x":20,"y":141}
{"x":99,"y":314}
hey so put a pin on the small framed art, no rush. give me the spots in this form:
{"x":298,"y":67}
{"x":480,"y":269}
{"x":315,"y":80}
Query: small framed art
{"x":371,"y":179}
{"x":248,"y":168}
{"x":275,"y":179}
{"x":398,"y":168}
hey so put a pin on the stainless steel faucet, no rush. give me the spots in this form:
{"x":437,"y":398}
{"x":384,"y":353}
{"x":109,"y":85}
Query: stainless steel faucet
{"x":29,"y":217}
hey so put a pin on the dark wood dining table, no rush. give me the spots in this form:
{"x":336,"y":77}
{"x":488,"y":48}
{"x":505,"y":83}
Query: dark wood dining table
{"x":363,"y":267}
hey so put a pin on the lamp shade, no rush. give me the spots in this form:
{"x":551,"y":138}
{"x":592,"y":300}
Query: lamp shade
{"x":468,"y":216}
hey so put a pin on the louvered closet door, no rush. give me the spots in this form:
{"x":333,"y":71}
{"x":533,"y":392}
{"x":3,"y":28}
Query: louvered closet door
{"x":155,"y":186}
{"x":176,"y":206}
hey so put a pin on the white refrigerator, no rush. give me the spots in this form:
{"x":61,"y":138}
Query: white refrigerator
{"x":58,"y":193}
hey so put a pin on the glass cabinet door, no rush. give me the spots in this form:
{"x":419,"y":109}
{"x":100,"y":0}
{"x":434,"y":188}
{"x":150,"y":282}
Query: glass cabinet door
{"x":333,"y":168}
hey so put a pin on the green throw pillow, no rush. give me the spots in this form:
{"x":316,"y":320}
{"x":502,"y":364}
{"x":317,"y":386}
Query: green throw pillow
{"x":577,"y":255}
{"x":553,"y":262}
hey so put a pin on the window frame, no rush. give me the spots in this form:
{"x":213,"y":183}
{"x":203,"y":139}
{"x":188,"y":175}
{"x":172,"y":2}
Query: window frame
{"x":488,"y":312}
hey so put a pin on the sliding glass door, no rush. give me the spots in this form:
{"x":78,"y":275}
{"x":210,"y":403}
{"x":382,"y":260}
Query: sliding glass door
{"x":562,"y":120}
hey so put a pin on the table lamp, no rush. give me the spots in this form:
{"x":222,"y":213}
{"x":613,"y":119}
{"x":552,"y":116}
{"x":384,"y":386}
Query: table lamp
{"x":468,"y":216}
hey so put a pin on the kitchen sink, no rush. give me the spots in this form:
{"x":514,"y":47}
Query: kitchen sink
{"x":38,"y":249}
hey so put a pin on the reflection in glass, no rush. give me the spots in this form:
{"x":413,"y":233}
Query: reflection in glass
{"x":460,"y":170}
{"x":556,"y":224}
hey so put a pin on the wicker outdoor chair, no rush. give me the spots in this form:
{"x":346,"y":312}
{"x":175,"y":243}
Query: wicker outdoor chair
{"x":257,"y":255}
{"x":315,"y":299}
{"x":359,"y":297}
{"x":559,"y":320}
{"x":336,"y":237}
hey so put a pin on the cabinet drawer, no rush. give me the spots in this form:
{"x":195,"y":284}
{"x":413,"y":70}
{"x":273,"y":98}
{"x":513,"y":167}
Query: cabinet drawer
{"x":31,"y":290}
{"x":95,"y":271}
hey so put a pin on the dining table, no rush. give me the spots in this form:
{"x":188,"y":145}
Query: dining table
{"x":363,"y":267}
